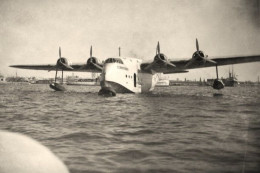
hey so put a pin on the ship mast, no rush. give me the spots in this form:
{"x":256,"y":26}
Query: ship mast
{"x":232,"y":72}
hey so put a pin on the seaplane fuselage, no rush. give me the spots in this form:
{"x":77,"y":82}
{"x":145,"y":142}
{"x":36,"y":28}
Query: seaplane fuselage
{"x":123,"y":75}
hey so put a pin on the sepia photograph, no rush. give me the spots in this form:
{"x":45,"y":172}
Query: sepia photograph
{"x":129,"y":86}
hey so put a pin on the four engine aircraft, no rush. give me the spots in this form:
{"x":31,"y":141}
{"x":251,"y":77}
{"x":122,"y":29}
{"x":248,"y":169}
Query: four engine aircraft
{"x":131,"y":75}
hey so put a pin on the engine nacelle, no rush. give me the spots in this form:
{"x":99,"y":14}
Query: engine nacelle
{"x":63,"y":63}
{"x":160,"y":58}
{"x":199,"y":55}
{"x":91,"y":60}
{"x":199,"y":58}
{"x":93,"y":63}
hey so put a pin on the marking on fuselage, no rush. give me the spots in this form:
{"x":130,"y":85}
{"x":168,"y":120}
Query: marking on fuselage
{"x":123,"y":68}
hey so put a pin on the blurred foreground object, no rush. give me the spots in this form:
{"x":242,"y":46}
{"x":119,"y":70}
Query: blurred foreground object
{"x":19,"y":153}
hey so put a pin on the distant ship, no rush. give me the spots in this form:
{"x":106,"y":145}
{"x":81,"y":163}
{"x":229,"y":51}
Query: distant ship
{"x":75,"y":80}
{"x":41,"y":81}
{"x":230,"y":81}
{"x":163,"y":83}
{"x":83,"y":82}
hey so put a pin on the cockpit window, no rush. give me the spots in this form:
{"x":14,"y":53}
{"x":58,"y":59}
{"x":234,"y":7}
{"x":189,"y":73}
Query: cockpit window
{"x":114,"y":60}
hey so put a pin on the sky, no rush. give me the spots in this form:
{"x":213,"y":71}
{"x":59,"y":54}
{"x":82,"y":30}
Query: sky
{"x":31,"y":32}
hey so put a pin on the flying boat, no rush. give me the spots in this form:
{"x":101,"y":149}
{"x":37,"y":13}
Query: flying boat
{"x":132,"y":75}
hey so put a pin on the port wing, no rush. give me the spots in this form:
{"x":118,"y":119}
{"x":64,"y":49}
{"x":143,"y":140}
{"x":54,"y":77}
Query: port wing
{"x":92,"y":65}
{"x":181,"y":65}
{"x":49,"y":67}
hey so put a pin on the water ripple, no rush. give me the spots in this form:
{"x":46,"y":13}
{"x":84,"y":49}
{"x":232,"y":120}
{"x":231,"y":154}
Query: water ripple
{"x":174,"y":129}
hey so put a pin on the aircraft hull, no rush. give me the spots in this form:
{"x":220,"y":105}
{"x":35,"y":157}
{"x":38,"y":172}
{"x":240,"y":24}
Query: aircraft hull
{"x":108,"y":85}
{"x":121,"y":78}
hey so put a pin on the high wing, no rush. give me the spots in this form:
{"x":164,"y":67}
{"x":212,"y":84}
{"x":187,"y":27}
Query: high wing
{"x":92,"y":65}
{"x":49,"y":67}
{"x":161,"y":64}
{"x":181,"y":64}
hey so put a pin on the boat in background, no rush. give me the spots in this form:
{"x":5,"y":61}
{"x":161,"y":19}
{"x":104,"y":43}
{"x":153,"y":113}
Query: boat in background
{"x":230,"y":81}
{"x":75,"y":80}
{"x":163,"y":83}
{"x":81,"y":81}
{"x":163,"y":80}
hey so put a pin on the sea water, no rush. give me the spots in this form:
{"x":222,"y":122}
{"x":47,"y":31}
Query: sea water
{"x":172,"y":129}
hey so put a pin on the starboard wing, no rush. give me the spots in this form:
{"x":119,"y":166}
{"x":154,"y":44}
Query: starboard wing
{"x":219,"y":61}
{"x":181,"y":65}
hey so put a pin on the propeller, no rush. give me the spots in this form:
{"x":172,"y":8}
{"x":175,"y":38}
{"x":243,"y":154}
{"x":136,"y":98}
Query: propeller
{"x":199,"y":54}
{"x":158,"y":48}
{"x":91,"y":51}
{"x":61,"y":63}
{"x":91,"y":61}
{"x":159,"y":59}
{"x":164,"y":60}
{"x":59,"y":52}
{"x":203,"y":57}
{"x":197,"y":45}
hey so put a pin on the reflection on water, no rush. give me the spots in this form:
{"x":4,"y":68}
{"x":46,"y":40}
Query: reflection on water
{"x":174,"y":129}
